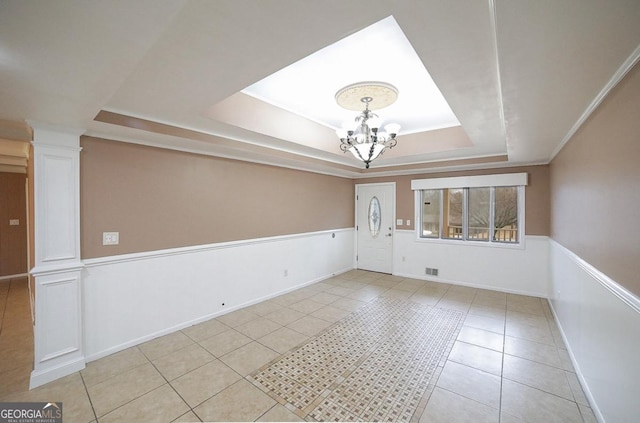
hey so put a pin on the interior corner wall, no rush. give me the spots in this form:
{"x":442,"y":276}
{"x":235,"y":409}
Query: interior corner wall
{"x":595,"y":187}
{"x":595,"y":251}
{"x":521,"y":270}
{"x":200,"y":236}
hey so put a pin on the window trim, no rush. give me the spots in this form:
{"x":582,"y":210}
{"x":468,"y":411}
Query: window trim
{"x":437,"y":183}
{"x":498,"y":180}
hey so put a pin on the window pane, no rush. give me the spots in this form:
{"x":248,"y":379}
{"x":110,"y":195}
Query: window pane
{"x":452,"y":225}
{"x":430,"y":213}
{"x":506,"y":214}
{"x":479,"y":214}
{"x":375,"y":217}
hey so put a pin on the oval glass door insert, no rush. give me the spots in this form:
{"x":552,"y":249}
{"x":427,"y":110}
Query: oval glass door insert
{"x":375,"y":219}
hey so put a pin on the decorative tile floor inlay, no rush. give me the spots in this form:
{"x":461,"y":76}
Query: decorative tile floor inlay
{"x":373,"y":365}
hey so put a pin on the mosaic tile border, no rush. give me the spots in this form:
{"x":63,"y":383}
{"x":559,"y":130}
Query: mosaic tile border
{"x":374,"y":365}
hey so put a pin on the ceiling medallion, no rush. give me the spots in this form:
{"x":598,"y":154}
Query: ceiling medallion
{"x":364,"y":140}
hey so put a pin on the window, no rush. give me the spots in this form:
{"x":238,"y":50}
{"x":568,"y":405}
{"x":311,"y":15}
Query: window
{"x":479,"y":215}
{"x":469,"y":214}
{"x":505,"y":214}
{"x":431,"y":213}
{"x":453,"y":213}
{"x":487,"y":209}
{"x":375,"y":217}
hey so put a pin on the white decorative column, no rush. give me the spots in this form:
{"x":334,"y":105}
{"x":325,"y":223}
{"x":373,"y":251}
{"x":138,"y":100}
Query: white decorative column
{"x":58,"y":331}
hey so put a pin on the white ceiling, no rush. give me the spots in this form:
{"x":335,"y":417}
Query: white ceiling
{"x":520,"y":76}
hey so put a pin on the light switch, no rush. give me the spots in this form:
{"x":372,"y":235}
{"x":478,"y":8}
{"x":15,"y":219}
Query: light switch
{"x":408,"y":222}
{"x":110,"y":238}
{"x":398,"y":222}
{"x":14,"y":222}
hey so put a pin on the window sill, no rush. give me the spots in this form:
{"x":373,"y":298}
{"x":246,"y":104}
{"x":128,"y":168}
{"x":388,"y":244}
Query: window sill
{"x":510,"y":246}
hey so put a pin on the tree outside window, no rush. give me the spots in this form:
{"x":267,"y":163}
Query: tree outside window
{"x":476,"y":214}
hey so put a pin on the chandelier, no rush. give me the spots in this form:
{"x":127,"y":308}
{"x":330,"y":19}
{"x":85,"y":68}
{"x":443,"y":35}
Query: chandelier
{"x":364,"y":139}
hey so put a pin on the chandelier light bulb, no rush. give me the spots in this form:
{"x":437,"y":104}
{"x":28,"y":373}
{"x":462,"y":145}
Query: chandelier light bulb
{"x":392,"y":128}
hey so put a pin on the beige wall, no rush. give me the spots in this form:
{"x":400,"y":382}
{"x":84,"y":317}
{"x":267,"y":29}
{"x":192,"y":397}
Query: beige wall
{"x":161,"y":199}
{"x":13,"y":238}
{"x":536,"y":194}
{"x":595,"y":187}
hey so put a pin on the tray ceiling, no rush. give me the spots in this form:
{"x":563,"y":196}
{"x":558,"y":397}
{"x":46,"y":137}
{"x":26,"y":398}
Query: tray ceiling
{"x":519,"y":77}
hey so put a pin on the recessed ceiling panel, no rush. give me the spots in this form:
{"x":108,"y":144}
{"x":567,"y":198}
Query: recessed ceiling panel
{"x":380,"y":52}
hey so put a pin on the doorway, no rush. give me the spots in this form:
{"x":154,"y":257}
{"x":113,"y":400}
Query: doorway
{"x":13,"y":225}
{"x":16,"y":324}
{"x":375,"y":216}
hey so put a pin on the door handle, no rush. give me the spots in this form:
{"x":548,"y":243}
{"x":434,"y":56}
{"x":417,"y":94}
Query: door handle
{"x":388,"y":235}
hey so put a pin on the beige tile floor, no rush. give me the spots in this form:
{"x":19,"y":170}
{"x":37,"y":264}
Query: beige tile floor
{"x":16,"y":336}
{"x":508,"y":363}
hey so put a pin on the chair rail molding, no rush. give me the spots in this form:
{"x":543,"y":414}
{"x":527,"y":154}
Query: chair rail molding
{"x":57,"y":271}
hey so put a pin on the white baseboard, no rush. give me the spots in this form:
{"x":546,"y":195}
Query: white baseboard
{"x":576,"y":367}
{"x":39,"y":378}
{"x":470,"y":285}
{"x":20,"y":275}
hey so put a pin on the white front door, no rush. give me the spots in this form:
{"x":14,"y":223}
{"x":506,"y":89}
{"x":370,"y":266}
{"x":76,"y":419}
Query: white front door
{"x":375,"y":206}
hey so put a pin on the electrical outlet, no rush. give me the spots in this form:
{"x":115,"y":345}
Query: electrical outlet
{"x":110,"y":238}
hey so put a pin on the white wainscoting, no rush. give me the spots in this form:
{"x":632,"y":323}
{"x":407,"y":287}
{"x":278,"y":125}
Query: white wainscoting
{"x":57,"y":273}
{"x":600,"y":323}
{"x":58,"y":345}
{"x":520,"y":270}
{"x":133,"y":298}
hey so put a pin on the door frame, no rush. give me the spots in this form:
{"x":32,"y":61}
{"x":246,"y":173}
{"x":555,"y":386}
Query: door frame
{"x":393,"y":220}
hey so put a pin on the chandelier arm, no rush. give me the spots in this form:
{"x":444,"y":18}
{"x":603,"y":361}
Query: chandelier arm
{"x":373,"y":146}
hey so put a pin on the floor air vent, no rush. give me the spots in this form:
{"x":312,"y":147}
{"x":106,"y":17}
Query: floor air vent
{"x":431,"y":271}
